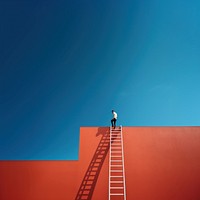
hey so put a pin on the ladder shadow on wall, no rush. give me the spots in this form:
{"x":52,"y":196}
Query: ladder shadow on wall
{"x":88,"y":184}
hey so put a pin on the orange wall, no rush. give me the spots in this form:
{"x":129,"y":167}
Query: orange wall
{"x":160,"y":163}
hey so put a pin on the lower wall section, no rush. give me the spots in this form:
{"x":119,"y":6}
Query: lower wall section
{"x":160,"y":163}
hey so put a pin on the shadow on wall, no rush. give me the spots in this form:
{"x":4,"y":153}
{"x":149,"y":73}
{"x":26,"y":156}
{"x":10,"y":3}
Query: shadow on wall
{"x":91,"y":176}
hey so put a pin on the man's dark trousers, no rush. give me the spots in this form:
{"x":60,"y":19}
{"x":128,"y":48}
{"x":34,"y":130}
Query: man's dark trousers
{"x":113,"y":122}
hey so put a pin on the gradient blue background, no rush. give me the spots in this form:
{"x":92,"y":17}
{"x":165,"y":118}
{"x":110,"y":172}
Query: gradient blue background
{"x":66,"y":64}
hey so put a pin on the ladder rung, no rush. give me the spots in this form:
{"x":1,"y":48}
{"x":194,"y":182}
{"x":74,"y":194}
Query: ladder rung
{"x":116,"y":176}
{"x":116,"y":194}
{"x":116,"y":160}
{"x":117,"y":143}
{"x":116,"y":150}
{"x":116,"y":156}
{"x":116,"y":170}
{"x":116,"y":187}
{"x":116,"y":181}
{"x":115,"y":138}
{"x":116,"y":165}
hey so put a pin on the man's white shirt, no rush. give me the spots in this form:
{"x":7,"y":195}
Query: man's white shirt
{"x":115,"y":115}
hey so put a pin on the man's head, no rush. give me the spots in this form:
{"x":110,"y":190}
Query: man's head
{"x":112,"y":111}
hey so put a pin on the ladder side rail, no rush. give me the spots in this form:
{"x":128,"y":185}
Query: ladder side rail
{"x":109,"y":165}
{"x":123,"y":164}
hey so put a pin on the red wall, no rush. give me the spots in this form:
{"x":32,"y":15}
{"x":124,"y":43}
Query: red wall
{"x":160,"y":163}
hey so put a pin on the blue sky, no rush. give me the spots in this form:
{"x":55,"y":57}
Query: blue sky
{"x":66,"y":64}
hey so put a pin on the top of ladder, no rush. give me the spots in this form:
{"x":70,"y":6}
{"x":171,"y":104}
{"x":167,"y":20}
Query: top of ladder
{"x":116,"y":128}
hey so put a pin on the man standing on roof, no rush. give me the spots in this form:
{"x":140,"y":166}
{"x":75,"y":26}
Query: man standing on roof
{"x":114,"y":119}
